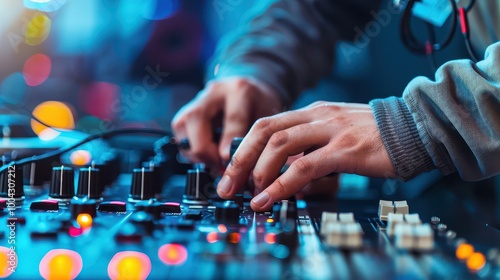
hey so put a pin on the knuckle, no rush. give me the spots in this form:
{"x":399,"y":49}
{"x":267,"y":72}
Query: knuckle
{"x":262,"y":124}
{"x":258,"y":179}
{"x":303,"y":167}
{"x":279,"y":139}
{"x":237,"y":162}
{"x":279,"y":186}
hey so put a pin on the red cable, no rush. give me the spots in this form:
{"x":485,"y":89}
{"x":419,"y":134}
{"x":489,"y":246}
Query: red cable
{"x":463,"y":20}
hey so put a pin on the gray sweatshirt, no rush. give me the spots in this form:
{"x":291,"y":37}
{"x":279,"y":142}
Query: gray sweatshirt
{"x":451,"y":123}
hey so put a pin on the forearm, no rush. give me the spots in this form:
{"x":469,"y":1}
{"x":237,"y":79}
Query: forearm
{"x":291,"y":45}
{"x":456,"y":117}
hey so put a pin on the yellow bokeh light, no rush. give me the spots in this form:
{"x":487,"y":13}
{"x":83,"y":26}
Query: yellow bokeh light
{"x":80,"y":157}
{"x":464,"y":250}
{"x":53,"y":113}
{"x":476,"y":261}
{"x":60,"y":267}
{"x":84,"y":220}
{"x":8,"y":262}
{"x":37,"y":29}
{"x":129,"y":268}
{"x":129,"y":265}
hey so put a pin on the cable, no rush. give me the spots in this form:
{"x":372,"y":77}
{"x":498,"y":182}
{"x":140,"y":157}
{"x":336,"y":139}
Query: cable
{"x":103,"y":135}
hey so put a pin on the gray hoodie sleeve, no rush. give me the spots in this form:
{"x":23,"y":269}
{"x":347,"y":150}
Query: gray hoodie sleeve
{"x":291,"y":45}
{"x":451,"y":123}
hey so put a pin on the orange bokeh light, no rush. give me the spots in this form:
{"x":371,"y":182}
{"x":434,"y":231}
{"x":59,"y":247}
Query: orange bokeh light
{"x":129,"y":265}
{"x":61,"y":264}
{"x":173,"y":254}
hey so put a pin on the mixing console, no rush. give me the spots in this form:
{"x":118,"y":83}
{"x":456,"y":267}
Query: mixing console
{"x":97,"y":222}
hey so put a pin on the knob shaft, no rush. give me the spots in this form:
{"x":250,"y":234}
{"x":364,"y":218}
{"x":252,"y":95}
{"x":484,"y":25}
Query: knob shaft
{"x":62,"y":185}
{"x":11,"y":182}
{"x":89,"y":183}
{"x":199,"y":187}
{"x":227,"y":212}
{"x":142,"y":187}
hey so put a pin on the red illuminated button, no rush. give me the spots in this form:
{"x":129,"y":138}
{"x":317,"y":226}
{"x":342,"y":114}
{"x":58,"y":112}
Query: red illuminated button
{"x":113,"y":206}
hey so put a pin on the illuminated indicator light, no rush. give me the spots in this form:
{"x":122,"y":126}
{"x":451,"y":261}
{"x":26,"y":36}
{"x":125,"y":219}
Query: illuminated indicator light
{"x":37,"y":29}
{"x":270,"y":238}
{"x":80,"y":157}
{"x":75,"y":231}
{"x":84,"y":220}
{"x":234,"y":237}
{"x":55,"y":114}
{"x":222,"y":228}
{"x":61,"y":264}
{"x":464,"y":250}
{"x":37,"y":69}
{"x":212,"y":237}
{"x":173,"y":254}
{"x":129,"y":265}
{"x":270,"y":220}
{"x":476,"y":261}
{"x":8,"y":262}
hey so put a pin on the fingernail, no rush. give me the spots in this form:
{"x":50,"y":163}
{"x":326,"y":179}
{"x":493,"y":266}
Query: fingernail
{"x":261,"y":199}
{"x":225,"y":185}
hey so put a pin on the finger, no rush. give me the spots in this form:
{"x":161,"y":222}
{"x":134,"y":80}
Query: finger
{"x":253,"y":144}
{"x":236,"y":121}
{"x":300,"y":173}
{"x":283,"y":144}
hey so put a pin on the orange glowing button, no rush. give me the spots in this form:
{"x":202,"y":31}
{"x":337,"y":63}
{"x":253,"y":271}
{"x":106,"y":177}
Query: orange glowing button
{"x":270,"y":220}
{"x":476,"y":261}
{"x":464,"y":250}
{"x":234,"y":237}
{"x":270,"y":238}
{"x":84,"y":220}
{"x":212,"y":237}
{"x":222,"y":228}
{"x":173,"y":254}
{"x":61,"y":264}
{"x":8,"y":262}
{"x":129,"y":265}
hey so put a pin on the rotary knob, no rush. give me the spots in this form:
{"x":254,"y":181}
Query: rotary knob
{"x":142,"y":185}
{"x":62,"y":185}
{"x":79,"y":206}
{"x":11,"y":182}
{"x":199,"y":187}
{"x":88,"y":183}
{"x":227,"y":212}
{"x":156,"y":176}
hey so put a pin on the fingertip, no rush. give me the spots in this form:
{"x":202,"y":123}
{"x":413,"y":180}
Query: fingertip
{"x":261,"y":202}
{"x":225,"y":187}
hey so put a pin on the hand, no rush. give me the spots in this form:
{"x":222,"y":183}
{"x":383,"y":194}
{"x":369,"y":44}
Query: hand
{"x":240,"y":101}
{"x":335,"y":137}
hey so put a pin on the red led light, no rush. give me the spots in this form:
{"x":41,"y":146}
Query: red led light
{"x":37,"y":69}
{"x":270,"y":238}
{"x":212,"y":237}
{"x":173,"y":254}
{"x":75,"y":231}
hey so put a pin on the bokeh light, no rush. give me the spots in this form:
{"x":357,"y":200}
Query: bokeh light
{"x":37,"y":69}
{"x":80,"y":157}
{"x":8,"y":262}
{"x":13,"y":88}
{"x":173,"y":254}
{"x":37,"y":29}
{"x":476,"y":261}
{"x":129,"y":265}
{"x":53,"y":113}
{"x":97,"y":99}
{"x":84,"y":220}
{"x":61,"y":264}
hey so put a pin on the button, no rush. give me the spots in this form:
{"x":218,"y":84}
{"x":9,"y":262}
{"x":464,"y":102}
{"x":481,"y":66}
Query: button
{"x":79,"y":206}
{"x":170,"y":207}
{"x":397,"y":207}
{"x":194,"y":215}
{"x":394,"y":219}
{"x":152,"y":207}
{"x":45,"y":205}
{"x":113,"y":206}
{"x":415,"y":237}
{"x":3,"y":204}
{"x":333,"y":217}
{"x":18,"y":220}
{"x":227,"y":212}
{"x":343,"y":235}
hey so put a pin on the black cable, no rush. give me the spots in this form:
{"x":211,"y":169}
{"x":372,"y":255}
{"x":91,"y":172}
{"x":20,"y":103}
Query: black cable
{"x":103,"y":135}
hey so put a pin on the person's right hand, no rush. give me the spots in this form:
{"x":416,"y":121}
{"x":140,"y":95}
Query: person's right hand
{"x":239,"y":100}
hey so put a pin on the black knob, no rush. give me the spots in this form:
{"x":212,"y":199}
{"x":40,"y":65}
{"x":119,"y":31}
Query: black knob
{"x":88,"y":183}
{"x":142,"y":185}
{"x":62,"y":185}
{"x":234,"y":145}
{"x":79,"y":206}
{"x":37,"y":173}
{"x":199,"y":187}
{"x":156,"y":175}
{"x":11,"y":182}
{"x":284,"y":210}
{"x":152,"y":207}
{"x":227,"y":212}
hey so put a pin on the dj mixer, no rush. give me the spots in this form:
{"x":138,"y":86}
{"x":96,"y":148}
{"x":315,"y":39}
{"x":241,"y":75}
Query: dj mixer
{"x":162,"y":219}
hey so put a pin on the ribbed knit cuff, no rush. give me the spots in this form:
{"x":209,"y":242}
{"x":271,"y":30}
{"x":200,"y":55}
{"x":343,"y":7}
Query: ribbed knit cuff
{"x":400,"y":136}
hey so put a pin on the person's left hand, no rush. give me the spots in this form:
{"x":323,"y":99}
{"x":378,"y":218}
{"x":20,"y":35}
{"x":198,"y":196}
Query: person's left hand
{"x":334,"y":137}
